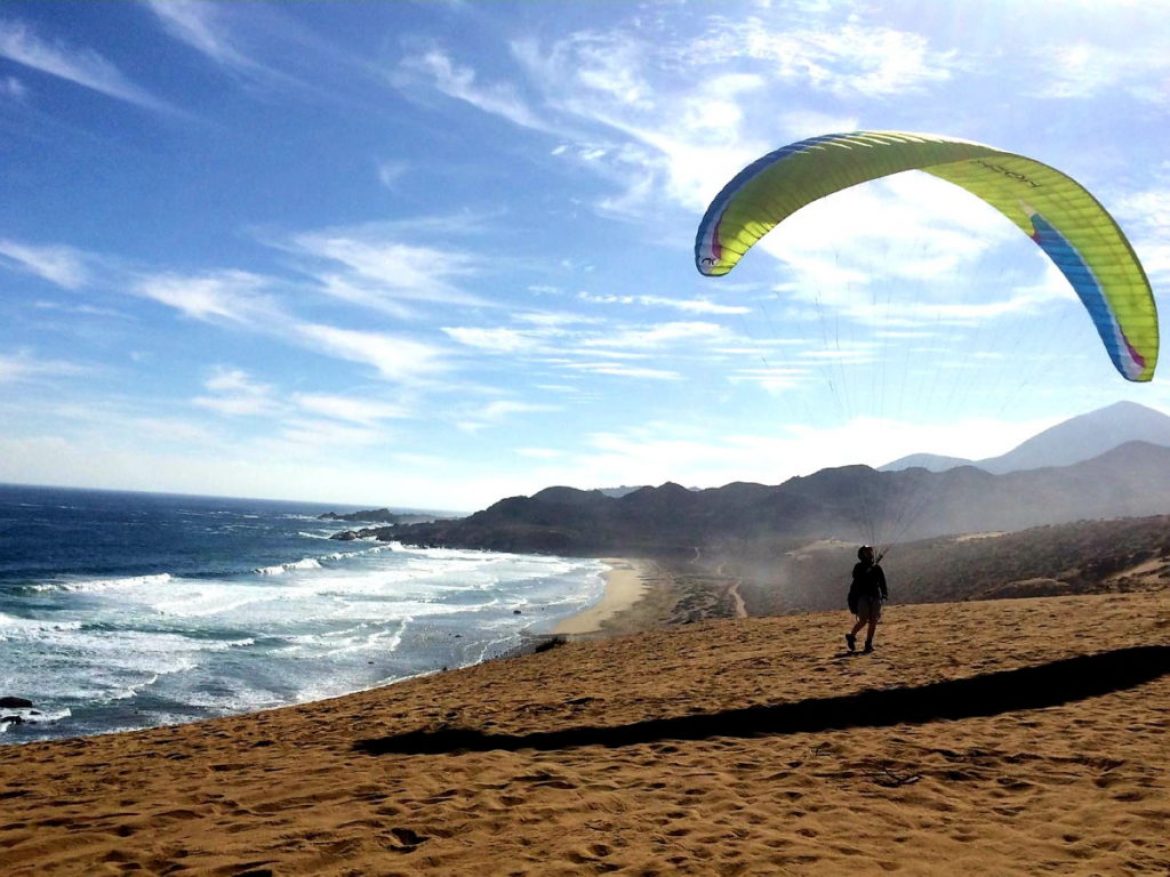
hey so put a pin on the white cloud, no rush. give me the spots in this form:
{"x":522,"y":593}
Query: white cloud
{"x":348,"y":408}
{"x":459,"y":82}
{"x":622,"y":370}
{"x":234,"y":296}
{"x":498,"y":339}
{"x":63,"y":266}
{"x":391,"y":172}
{"x":197,"y":24}
{"x":172,"y":429}
{"x":396,"y":357}
{"x":12,"y":87}
{"x":540,"y":453}
{"x":691,"y":305}
{"x":1086,"y":70}
{"x":606,"y":64}
{"x":380,"y":271}
{"x":499,"y":410}
{"x":304,"y":436}
{"x":82,"y":67}
{"x":773,"y":379}
{"x":235,"y":393}
{"x":502,"y":408}
{"x":851,"y":60}
{"x":662,"y":335}
{"x":23,"y":366}
{"x":363,"y":294}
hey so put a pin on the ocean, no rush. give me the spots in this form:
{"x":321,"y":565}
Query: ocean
{"x":122,"y":611}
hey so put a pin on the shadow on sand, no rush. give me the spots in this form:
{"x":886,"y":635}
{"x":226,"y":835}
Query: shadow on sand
{"x":1048,"y":685}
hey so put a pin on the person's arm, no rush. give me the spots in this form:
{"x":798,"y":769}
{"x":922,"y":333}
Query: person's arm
{"x":881,"y":577}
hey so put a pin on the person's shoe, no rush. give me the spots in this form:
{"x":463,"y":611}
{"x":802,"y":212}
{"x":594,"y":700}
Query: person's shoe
{"x":851,"y":641}
{"x":868,"y":649}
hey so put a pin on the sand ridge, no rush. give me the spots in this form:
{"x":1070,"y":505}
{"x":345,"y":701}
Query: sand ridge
{"x":1062,"y":782}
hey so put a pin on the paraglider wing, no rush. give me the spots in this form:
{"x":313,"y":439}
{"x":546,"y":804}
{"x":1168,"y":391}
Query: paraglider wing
{"x":1059,"y":214}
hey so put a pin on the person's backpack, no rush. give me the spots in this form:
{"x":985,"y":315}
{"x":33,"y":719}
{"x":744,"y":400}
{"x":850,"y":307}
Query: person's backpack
{"x":852,"y":599}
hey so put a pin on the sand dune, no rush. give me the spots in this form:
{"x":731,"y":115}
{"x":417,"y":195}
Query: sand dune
{"x":1006,"y":737}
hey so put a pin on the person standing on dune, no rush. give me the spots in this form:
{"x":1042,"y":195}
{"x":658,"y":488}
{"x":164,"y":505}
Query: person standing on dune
{"x":865,"y":597}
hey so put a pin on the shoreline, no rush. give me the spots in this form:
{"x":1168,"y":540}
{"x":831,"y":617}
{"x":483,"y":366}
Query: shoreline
{"x":625,"y":586}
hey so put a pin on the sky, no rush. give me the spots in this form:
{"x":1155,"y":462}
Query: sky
{"x":433,"y":254}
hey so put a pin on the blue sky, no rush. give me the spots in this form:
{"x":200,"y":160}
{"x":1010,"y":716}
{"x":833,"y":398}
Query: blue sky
{"x":434,"y":254}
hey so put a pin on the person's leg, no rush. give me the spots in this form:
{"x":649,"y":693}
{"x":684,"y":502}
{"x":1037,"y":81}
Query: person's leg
{"x":869,"y":634}
{"x":851,"y":637}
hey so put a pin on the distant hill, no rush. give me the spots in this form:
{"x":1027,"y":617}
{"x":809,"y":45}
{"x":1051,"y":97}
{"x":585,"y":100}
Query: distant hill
{"x":1073,"y":441}
{"x":615,"y":492}
{"x":844,"y":503}
{"x":1085,"y":437}
{"x":930,"y":462}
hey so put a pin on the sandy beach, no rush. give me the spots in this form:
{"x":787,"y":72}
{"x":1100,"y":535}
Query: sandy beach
{"x":625,"y":585}
{"x":1006,"y":737}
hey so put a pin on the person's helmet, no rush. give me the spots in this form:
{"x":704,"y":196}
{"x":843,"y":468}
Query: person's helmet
{"x":863,"y":551}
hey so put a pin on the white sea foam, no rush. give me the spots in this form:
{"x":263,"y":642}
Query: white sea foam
{"x":282,"y":568}
{"x":103,"y":584}
{"x":33,"y":717}
{"x":13,"y":626}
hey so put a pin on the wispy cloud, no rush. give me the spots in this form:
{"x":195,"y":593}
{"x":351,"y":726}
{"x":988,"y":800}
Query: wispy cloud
{"x":198,"y":25}
{"x":349,"y":408}
{"x":396,"y":358}
{"x":230,"y":296}
{"x":265,"y":49}
{"x":688,"y":305}
{"x":390,"y":173}
{"x":540,"y":453}
{"x":83,"y":67}
{"x":499,"y":410}
{"x":461,"y":83}
{"x":61,"y":265}
{"x":309,"y":436}
{"x":374,"y":267}
{"x":13,"y":88}
{"x":773,"y":379}
{"x":682,"y":143}
{"x":625,"y":370}
{"x":1086,"y":70}
{"x":234,"y":392}
{"x":663,"y":335}
{"x":499,"y":339}
{"x":853,"y":59}
{"x":23,"y":366}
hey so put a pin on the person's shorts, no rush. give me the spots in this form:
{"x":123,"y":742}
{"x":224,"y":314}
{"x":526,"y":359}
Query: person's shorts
{"x":869,"y":608}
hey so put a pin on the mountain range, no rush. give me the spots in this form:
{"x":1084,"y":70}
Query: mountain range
{"x":1073,"y":441}
{"x":851,"y":503}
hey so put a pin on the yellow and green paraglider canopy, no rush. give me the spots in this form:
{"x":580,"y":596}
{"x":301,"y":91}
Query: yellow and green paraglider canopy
{"x":1060,"y":215}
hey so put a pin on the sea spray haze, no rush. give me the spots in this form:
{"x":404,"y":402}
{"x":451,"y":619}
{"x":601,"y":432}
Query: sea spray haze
{"x":128,"y":610}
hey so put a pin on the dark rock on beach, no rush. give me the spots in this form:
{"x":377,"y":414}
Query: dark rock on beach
{"x":15,"y":703}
